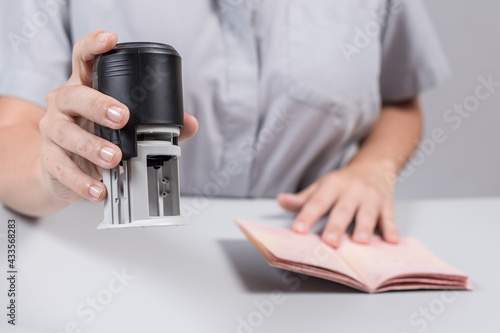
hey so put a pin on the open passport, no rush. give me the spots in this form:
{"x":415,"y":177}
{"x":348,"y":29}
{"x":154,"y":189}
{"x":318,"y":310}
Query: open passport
{"x":372,"y":268}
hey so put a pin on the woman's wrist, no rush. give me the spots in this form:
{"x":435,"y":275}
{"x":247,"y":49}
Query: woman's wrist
{"x":376,"y":165}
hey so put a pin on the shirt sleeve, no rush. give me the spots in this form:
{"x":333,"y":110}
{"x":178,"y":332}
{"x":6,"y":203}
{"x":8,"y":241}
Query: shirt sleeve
{"x":36,"y":48}
{"x":412,"y":57}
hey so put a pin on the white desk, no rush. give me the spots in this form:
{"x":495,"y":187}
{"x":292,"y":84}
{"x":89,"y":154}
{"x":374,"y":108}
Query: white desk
{"x":203,"y":277}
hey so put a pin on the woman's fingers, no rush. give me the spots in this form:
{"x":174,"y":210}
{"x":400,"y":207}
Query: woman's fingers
{"x":86,"y":50}
{"x":75,"y":139}
{"x":293,"y":202}
{"x":68,"y":148}
{"x":388,"y":223}
{"x":90,"y":104}
{"x":61,"y":167}
{"x":345,"y":194}
{"x":341,"y":216}
{"x":318,"y":204}
{"x":366,"y":217}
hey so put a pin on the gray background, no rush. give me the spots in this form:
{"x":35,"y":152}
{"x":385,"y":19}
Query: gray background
{"x":467,"y":164}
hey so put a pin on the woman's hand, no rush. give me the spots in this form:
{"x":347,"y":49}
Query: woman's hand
{"x":363,"y":192}
{"x":71,"y":156}
{"x":364,"y":188}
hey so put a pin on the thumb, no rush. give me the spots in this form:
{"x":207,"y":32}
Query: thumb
{"x":84,"y":53}
{"x":293,"y":202}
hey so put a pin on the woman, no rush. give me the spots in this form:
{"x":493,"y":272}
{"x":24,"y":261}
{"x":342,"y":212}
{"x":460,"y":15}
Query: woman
{"x":283,"y":91}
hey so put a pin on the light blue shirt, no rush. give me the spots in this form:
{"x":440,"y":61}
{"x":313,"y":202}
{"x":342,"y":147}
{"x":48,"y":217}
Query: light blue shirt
{"x":282,"y":89}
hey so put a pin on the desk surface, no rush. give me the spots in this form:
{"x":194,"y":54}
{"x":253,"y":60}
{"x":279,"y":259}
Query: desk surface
{"x":206,"y":277}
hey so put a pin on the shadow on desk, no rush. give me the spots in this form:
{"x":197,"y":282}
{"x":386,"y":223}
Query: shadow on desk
{"x":258,"y":276}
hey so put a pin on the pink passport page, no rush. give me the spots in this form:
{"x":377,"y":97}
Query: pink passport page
{"x":372,"y":268}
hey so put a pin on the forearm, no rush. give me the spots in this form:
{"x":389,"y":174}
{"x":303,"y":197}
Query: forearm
{"x":21,"y":180}
{"x":393,"y":139}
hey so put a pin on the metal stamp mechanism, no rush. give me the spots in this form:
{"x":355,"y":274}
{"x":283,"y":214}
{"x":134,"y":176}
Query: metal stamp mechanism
{"x":143,"y":190}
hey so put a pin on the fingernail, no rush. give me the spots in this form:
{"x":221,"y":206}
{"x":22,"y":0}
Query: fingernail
{"x":102,"y":37}
{"x":332,"y":238}
{"x":107,"y":153}
{"x":115,"y":113}
{"x":299,"y":227}
{"x":362,"y":237}
{"x":95,"y":191}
